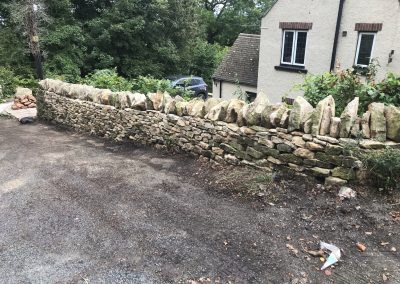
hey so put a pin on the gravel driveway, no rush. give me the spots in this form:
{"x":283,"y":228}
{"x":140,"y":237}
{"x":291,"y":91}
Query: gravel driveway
{"x":76,"y":209}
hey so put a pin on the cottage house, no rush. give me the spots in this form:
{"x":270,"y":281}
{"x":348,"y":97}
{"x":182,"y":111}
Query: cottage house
{"x":238,"y":73}
{"x":315,"y":36}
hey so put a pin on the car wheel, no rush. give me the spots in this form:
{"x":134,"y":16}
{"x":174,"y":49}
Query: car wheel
{"x":202,"y":95}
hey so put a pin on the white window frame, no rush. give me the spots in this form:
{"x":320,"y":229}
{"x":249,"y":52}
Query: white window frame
{"x":294,"y":48}
{"x":360,"y":34}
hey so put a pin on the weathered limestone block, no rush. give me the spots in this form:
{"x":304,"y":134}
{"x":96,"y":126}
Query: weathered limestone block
{"x":392,"y":115}
{"x":348,"y":118}
{"x":233,"y":110}
{"x":265,"y":115}
{"x":320,"y":172}
{"x":211,"y":102}
{"x":314,"y":146}
{"x":378,"y":121}
{"x":321,"y":117}
{"x":137,"y":101}
{"x":181,"y":108}
{"x":344,"y":173}
{"x":328,"y":139}
{"x":284,"y":148}
{"x":276,"y":116}
{"x":301,"y":112}
{"x":158,"y":100}
{"x":241,"y":120}
{"x":298,"y":141}
{"x":366,"y":131}
{"x":334,"y":181}
{"x":290,"y":158}
{"x":285,"y":119}
{"x":105,"y":97}
{"x":356,"y":129}
{"x":198,"y":109}
{"x":334,"y":130}
{"x":308,"y":126}
{"x":333,"y":149}
{"x":122,"y":100}
{"x":256,"y":108}
{"x":218,"y":112}
{"x":371,"y":144}
{"x":113,"y":99}
{"x":170,"y":107}
{"x":304,"y":153}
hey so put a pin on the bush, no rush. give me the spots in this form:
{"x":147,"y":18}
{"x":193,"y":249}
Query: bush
{"x":345,"y":85}
{"x":383,"y":167}
{"x":9,"y":82}
{"x":107,"y":79}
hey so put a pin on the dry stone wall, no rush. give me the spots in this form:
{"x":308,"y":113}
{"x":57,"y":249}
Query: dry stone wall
{"x":300,"y":138}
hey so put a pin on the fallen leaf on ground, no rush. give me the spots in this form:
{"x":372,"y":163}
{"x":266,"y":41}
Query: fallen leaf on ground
{"x":361,"y":247}
{"x":292,"y":249}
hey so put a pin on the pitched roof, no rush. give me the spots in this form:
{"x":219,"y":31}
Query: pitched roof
{"x":241,"y":63}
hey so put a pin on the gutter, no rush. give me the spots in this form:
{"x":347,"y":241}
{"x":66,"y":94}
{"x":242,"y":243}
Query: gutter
{"x":336,"y":40}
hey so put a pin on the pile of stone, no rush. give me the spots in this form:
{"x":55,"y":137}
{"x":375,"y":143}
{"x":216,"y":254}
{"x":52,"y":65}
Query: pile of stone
{"x":23,"y":99}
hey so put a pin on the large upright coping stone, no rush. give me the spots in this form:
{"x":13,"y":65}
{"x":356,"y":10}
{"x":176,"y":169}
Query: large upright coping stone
{"x":301,"y":112}
{"x":324,"y":110}
{"x":392,"y":114}
{"x":349,"y":117}
{"x":378,"y":121}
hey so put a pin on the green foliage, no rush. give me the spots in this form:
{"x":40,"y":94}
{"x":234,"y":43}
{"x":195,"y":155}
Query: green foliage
{"x":155,"y":38}
{"x":151,"y":85}
{"x":108,"y":79}
{"x":383,"y":167}
{"x":226,"y":19}
{"x":9,"y":82}
{"x":345,"y":85}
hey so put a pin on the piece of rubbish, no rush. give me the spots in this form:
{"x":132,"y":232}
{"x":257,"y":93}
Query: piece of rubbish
{"x":346,"y":193}
{"x":393,"y":249}
{"x":333,"y":257}
{"x":328,"y":272}
{"x":26,"y":120}
{"x":361,"y":247}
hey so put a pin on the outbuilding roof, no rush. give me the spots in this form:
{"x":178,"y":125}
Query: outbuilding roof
{"x":241,"y":63}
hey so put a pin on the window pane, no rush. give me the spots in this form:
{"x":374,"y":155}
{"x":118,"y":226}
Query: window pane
{"x":288,"y":47}
{"x":365,"y":52}
{"x":301,"y":47}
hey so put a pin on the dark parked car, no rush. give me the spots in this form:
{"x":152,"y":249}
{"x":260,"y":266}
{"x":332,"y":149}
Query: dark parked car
{"x":191,"y":83}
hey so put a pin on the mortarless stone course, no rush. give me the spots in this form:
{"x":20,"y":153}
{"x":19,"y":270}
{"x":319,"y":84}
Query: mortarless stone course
{"x":200,"y":128}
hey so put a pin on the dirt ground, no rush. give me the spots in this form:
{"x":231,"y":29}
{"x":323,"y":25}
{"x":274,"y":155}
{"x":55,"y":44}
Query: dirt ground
{"x":78,"y":209}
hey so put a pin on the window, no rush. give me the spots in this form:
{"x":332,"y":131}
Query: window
{"x":294,"y":47}
{"x":365,"y":48}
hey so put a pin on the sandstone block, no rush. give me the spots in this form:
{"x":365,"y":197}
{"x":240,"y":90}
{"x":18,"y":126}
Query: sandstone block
{"x":348,"y":118}
{"x":378,"y":121}
{"x":392,"y":115}
{"x":301,"y":112}
{"x":234,"y":108}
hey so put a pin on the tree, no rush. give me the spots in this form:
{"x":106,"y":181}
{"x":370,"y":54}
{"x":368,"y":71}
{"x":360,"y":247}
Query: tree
{"x":27,"y":14}
{"x":227,"y":18}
